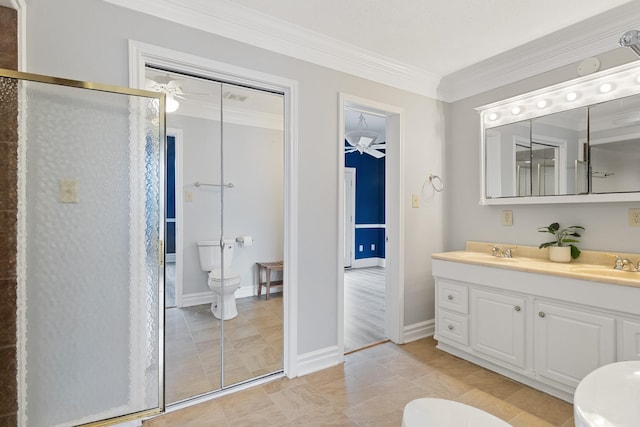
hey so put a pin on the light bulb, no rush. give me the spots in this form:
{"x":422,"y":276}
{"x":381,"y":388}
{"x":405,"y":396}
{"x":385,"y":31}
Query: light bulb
{"x":542,"y":103}
{"x":171,"y":104}
{"x":493,"y":116}
{"x":516,"y":110}
{"x":572,"y":96}
{"x":606,"y":87}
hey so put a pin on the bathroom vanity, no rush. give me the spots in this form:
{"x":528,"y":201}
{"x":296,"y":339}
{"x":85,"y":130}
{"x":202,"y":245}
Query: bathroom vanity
{"x":544,"y":324}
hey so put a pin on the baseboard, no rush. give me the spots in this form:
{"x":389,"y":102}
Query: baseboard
{"x":317,"y":360}
{"x":419,"y":330}
{"x":198,"y":298}
{"x":368,"y":262}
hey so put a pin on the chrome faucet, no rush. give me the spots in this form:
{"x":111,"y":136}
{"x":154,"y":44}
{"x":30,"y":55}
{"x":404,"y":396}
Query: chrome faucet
{"x":625,"y":264}
{"x":501,"y":253}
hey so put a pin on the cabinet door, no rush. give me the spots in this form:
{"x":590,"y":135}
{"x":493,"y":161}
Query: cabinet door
{"x":498,"y":326}
{"x":571,"y":342}
{"x":630,"y":339}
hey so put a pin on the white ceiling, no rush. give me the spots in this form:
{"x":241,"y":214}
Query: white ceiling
{"x":443,"y":49}
{"x":438,"y":36}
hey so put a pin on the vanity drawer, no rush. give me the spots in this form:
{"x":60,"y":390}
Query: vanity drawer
{"x":453,"y":326}
{"x":453,"y":296}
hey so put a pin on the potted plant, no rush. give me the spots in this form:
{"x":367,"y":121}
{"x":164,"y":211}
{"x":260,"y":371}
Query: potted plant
{"x":562,"y":249}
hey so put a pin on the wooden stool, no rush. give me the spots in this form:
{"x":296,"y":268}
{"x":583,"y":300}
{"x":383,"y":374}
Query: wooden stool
{"x":268,"y":267}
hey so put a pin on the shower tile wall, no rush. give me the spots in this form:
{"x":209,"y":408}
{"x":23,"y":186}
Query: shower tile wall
{"x":8,"y":218}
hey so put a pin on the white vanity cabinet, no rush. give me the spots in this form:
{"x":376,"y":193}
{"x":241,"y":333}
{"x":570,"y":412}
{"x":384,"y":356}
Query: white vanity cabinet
{"x":570,"y":342}
{"x":629,"y":339}
{"x":498,"y":325}
{"x":543,"y":330}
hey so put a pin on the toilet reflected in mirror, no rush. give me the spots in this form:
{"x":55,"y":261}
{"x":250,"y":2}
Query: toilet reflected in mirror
{"x":210,"y":254}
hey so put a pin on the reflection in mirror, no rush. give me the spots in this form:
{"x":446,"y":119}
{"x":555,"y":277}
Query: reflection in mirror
{"x":614,"y":140}
{"x":506,"y":173}
{"x":557,"y":153}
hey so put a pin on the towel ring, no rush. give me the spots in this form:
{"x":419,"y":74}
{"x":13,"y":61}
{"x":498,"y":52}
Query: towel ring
{"x":436,"y":182}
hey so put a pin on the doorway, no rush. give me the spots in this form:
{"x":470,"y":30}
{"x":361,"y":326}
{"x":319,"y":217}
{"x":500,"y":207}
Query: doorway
{"x":385,"y":269}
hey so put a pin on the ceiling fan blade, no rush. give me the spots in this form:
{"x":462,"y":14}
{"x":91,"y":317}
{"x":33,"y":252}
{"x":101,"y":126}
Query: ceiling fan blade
{"x":375,"y":153}
{"x":365,"y":141}
{"x":350,"y":149}
{"x":380,"y":146}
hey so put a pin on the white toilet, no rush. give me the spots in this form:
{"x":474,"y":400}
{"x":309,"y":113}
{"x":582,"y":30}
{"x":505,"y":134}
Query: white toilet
{"x":210,"y":260}
{"x":434,"y":412}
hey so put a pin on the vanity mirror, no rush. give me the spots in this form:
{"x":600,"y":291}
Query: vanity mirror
{"x":578,"y":141}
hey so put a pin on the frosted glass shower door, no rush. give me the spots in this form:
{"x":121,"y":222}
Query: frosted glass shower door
{"x":89,"y":265}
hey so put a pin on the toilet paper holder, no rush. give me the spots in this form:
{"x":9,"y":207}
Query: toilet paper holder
{"x":244,"y":240}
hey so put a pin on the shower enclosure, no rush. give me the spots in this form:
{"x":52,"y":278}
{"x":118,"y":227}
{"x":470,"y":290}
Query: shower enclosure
{"x":89,"y":249}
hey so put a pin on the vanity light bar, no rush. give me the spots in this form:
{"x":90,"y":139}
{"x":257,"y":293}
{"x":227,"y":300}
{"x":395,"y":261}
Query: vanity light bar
{"x":606,"y":85}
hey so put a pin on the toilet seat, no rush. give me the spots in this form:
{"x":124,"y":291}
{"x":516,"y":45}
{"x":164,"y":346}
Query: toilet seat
{"x":434,"y":412}
{"x":230,"y":276}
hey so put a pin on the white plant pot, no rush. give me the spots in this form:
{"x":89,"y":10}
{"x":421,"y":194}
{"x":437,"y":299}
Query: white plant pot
{"x":560,"y":253}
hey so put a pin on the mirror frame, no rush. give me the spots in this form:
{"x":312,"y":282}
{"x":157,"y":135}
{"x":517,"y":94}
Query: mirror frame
{"x":607,"y":85}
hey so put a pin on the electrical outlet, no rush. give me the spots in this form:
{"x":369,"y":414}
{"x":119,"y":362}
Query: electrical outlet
{"x":68,"y":191}
{"x":634,"y":217}
{"x":507,"y":217}
{"x":373,"y":246}
{"x":361,"y":248}
{"x":415,"y":201}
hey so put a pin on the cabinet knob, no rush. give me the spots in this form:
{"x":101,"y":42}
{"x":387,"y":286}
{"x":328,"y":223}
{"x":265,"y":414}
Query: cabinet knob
{"x":541,"y":314}
{"x":450,"y":327}
{"x":449,"y":297}
{"x":517,"y":308}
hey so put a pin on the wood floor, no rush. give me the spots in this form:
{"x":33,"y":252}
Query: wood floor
{"x":372,"y":388}
{"x":364,"y":307}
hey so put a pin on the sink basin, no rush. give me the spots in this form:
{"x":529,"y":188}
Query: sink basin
{"x":609,"y":396}
{"x":480,"y":256}
{"x":606,"y":272}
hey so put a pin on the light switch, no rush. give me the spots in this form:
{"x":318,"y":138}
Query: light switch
{"x":415,"y":200}
{"x":68,"y":191}
{"x":188,"y":196}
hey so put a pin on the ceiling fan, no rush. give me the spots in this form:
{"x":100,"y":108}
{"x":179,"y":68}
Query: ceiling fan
{"x":364,"y":140}
{"x":171,"y":87}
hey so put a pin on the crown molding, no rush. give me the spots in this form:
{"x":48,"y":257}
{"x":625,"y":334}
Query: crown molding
{"x":587,"y":38}
{"x":251,"y":27}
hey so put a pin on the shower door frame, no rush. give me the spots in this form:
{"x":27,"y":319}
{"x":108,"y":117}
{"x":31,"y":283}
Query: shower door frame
{"x":21,"y":323}
{"x":142,"y":55}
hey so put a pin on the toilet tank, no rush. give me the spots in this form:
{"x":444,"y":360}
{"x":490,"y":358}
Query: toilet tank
{"x":210,"y":256}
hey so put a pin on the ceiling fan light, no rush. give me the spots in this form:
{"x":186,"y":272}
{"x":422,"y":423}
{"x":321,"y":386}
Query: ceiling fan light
{"x":171,"y":104}
{"x":361,"y":137}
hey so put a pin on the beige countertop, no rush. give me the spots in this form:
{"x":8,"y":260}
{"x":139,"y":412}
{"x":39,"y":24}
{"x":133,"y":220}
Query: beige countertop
{"x":591,"y":265}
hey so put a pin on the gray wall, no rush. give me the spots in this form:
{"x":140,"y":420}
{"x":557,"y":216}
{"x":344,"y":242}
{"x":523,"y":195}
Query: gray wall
{"x":88,"y":41}
{"x":253,"y":158}
{"x":606,"y":223}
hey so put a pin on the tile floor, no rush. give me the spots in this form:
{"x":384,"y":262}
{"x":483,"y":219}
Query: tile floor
{"x":371,"y":389}
{"x":253,"y":346}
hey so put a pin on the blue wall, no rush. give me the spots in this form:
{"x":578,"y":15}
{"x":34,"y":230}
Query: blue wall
{"x":370,"y":191}
{"x":170,"y":231}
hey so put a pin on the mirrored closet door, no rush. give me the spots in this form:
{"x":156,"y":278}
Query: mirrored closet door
{"x":229,"y":152}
